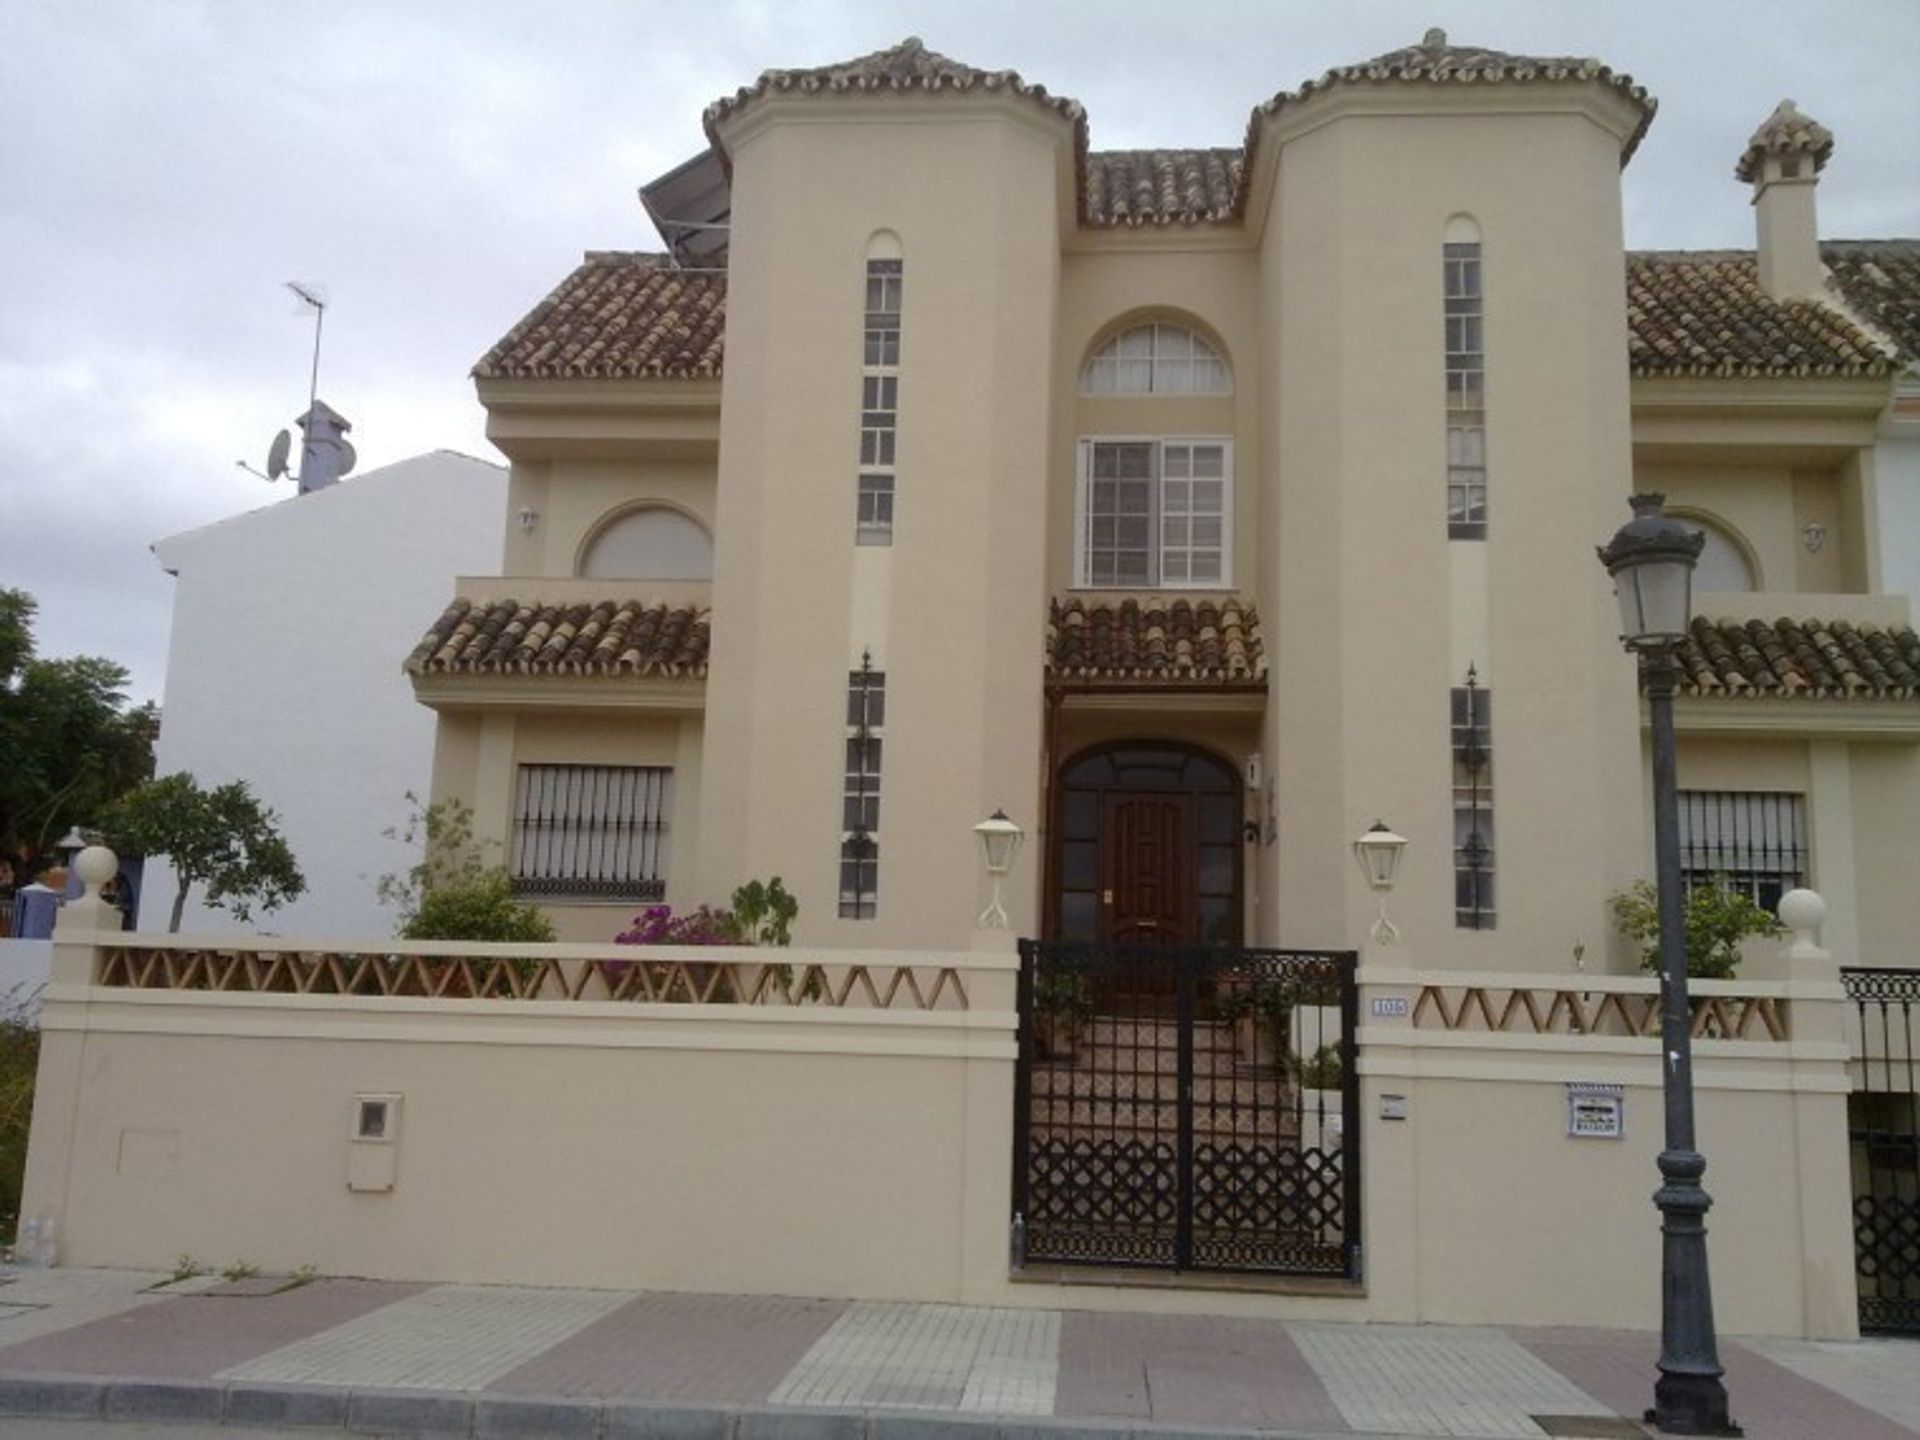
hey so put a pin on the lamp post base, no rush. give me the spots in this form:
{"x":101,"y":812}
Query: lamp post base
{"x":1691,"y":1405}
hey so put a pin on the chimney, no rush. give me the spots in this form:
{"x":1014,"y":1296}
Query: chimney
{"x":326,"y":454}
{"x":1782,"y":162}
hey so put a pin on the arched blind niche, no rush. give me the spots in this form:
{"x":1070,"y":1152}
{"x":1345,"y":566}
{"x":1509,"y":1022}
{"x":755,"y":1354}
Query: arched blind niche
{"x":651,"y":542}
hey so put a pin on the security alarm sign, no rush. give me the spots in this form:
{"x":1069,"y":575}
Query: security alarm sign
{"x":1595,"y":1110}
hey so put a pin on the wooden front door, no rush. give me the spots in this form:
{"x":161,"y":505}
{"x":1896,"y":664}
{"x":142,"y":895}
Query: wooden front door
{"x":1146,"y":847}
{"x":1149,"y":852}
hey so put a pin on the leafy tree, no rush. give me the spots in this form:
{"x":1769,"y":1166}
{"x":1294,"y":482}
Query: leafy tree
{"x":451,"y":892}
{"x":224,"y":838}
{"x":71,"y":744}
{"x":1717,"y":918}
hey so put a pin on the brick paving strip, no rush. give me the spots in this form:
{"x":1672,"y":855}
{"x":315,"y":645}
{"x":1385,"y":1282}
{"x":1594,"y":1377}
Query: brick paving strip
{"x":198,"y":1336}
{"x":1768,"y":1401}
{"x":725,"y":1349}
{"x":1190,"y":1370}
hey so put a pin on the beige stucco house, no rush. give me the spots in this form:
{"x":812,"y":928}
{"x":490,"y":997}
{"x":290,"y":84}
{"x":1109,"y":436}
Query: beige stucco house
{"x":1195,"y":507}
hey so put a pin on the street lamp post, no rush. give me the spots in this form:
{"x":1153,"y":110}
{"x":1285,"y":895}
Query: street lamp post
{"x":1651,"y":560}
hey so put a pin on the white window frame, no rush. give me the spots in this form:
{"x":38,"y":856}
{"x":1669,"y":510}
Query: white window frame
{"x":1153,"y":360}
{"x":1083,"y":518}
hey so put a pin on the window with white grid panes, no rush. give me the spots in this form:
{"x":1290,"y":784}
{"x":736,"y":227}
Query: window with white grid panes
{"x":879,"y":404}
{"x":1154,"y":513}
{"x":1466,"y":392}
{"x":1156,"y":360}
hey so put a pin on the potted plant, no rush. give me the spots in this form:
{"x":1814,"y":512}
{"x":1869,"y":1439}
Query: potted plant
{"x":1062,"y":1003}
{"x":1261,"y":1012}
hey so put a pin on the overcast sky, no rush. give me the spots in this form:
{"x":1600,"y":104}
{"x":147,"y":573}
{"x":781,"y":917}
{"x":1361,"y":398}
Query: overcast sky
{"x":439,"y":164}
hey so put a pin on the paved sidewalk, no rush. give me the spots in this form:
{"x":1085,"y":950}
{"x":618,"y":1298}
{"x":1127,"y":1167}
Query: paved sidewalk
{"x":379,"y":1357}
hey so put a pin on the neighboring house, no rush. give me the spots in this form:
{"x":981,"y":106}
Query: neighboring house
{"x":1193,"y":506}
{"x":281,"y":672}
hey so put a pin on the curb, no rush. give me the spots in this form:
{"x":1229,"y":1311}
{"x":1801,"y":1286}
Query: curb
{"x":485,"y":1416}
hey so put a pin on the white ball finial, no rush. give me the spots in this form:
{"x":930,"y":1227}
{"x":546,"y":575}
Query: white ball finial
{"x":1802,"y":911}
{"x":95,"y":866}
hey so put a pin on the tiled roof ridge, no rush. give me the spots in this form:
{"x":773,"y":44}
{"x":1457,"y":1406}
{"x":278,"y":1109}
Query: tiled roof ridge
{"x":632,"y":638}
{"x":907,"y":66}
{"x":1153,"y":637}
{"x":1788,"y":658}
{"x":1435,"y":61}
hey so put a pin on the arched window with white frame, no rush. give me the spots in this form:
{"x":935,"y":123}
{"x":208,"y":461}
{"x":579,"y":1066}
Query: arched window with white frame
{"x":1156,"y":358}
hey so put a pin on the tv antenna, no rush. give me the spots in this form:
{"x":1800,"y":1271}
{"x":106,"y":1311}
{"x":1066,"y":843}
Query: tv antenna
{"x":326,"y":454}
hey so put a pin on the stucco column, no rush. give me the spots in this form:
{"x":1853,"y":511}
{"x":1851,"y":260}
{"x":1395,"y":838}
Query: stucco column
{"x":1830,"y":802}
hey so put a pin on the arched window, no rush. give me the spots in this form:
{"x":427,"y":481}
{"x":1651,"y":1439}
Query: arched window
{"x":650,"y":543}
{"x":1156,"y":360}
{"x":1723,"y":565}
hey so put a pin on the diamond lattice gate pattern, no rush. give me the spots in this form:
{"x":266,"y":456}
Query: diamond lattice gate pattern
{"x":1187,"y":1108}
{"x":1883,"y":1125}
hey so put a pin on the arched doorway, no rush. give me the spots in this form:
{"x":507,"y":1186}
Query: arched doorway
{"x":1147,"y":846}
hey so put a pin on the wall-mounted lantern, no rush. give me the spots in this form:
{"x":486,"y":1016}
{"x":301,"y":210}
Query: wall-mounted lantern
{"x":1000,"y":840}
{"x":1378,"y":852}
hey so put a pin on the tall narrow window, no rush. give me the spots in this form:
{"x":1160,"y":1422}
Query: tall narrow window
{"x":1466,"y":393}
{"x":860,"y":797}
{"x":879,"y":404}
{"x":1472,"y":805}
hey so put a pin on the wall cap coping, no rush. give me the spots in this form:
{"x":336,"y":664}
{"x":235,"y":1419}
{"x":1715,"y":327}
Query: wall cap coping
{"x":500,"y":950}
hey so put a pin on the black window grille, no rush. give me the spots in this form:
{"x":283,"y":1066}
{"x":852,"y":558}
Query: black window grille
{"x":591,"y":831}
{"x":860,"y":802}
{"x":1473,"y":852}
{"x":1753,"y":842}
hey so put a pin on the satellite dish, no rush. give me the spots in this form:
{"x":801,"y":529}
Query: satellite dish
{"x":349,"y":457}
{"x":277,"y":455}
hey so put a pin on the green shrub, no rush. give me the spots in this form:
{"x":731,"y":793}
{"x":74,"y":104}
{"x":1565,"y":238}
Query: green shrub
{"x":1322,"y":1071}
{"x":1717,"y":918}
{"x":480,"y":907}
{"x":452,"y":893}
{"x":19,"y":1060}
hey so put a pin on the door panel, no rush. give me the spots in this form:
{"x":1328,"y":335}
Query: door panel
{"x":1148,"y":861}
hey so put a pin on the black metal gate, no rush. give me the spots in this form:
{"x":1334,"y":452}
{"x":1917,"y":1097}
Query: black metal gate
{"x":1187,"y":1108}
{"x":1883,"y":1125}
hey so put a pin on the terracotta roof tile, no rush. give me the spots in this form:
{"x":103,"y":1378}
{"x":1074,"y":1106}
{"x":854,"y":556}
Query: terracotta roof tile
{"x":1880,"y":279}
{"x":1436,"y":62}
{"x":908,"y":66}
{"x":1129,"y":188}
{"x":1785,"y":132}
{"x":1150,"y":639}
{"x":1704,"y":313}
{"x":619,"y":315}
{"x":605,"y":637}
{"x":1812,"y":658}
